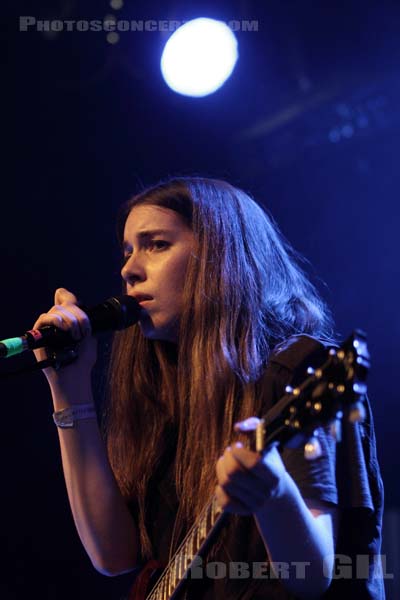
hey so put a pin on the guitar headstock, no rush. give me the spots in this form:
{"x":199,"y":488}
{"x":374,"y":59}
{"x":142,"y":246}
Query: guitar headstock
{"x":333,"y":391}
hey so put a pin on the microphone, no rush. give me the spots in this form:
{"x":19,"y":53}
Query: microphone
{"x":118,"y":312}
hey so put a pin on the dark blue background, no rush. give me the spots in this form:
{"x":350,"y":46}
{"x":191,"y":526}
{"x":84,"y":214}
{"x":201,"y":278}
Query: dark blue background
{"x":308,"y":123}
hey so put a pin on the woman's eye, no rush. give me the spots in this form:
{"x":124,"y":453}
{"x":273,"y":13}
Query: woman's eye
{"x":159,"y":244}
{"x":155,"y":244}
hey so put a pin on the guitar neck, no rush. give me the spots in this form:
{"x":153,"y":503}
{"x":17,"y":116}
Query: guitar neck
{"x":195,"y":544}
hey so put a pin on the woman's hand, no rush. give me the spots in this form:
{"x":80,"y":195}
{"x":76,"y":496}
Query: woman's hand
{"x":66,"y":315}
{"x":246,"y":481}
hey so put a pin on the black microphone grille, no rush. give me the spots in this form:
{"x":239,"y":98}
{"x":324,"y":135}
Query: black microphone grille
{"x":118,"y":312}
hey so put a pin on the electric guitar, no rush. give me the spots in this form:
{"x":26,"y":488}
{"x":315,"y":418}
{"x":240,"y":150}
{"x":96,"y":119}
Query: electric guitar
{"x":327,"y":394}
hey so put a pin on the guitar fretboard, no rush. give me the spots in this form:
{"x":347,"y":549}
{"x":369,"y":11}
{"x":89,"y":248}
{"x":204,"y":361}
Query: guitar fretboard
{"x":179,"y":565}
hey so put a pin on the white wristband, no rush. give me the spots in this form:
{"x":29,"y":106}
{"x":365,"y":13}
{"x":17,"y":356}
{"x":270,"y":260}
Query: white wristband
{"x":66,"y":417}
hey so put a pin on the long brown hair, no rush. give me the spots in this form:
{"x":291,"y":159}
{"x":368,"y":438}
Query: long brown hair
{"x":244,"y":292}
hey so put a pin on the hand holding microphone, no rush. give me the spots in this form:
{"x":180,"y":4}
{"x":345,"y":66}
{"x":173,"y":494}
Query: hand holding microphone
{"x":66,"y":316}
{"x":65,"y":324}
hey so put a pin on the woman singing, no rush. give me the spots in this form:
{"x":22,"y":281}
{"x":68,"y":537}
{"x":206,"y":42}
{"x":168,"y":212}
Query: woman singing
{"x":228,"y":319}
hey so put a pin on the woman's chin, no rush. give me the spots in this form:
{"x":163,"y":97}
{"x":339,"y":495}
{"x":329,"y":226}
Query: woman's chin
{"x":152,"y":331}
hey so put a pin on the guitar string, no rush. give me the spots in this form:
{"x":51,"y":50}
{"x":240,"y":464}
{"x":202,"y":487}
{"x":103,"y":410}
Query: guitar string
{"x":168,"y":568}
{"x":180,"y":548}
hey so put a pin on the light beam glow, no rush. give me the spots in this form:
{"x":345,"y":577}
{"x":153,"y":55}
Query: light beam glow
{"x":199,"y":57}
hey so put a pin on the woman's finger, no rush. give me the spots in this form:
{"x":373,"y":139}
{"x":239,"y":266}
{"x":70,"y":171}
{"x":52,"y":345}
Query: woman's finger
{"x":229,"y":504}
{"x":77,"y":320}
{"x":67,"y":319}
{"x":241,"y":483}
{"x":54,"y":319}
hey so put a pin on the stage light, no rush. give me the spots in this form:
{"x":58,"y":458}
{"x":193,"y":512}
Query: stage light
{"x":199,"y":57}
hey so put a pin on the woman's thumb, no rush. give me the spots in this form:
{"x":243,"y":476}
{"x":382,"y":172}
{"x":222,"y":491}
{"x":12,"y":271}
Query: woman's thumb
{"x":63,"y":296}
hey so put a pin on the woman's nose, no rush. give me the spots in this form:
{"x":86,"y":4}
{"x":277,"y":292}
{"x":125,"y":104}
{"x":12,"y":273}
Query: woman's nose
{"x":133,"y":269}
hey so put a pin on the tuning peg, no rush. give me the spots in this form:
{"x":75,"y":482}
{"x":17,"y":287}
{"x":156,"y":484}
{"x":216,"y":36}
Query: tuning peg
{"x":253,"y":429}
{"x":356,"y":412}
{"x":247,"y":425}
{"x":336,"y":430}
{"x":359,"y":387}
{"x":312,"y":448}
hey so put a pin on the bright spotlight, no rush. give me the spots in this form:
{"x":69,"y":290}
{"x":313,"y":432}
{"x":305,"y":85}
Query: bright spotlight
{"x":199,"y":57}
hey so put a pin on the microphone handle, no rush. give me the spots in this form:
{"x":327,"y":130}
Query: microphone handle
{"x":48,"y":336}
{"x":36,"y":338}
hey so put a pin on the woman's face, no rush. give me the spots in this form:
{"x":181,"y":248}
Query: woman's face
{"x":157,"y":246}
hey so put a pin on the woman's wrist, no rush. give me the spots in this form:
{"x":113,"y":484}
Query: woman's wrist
{"x":71,"y":394}
{"x":66,"y":418}
{"x":279,"y":495}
